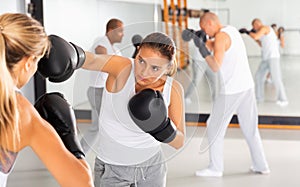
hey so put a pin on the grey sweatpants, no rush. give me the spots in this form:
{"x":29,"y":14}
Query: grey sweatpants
{"x":272,"y":65}
{"x":151,"y":173}
{"x":224,"y":107}
{"x":90,"y":136}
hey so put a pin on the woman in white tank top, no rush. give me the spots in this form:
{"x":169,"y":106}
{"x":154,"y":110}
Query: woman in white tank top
{"x":127,"y":153}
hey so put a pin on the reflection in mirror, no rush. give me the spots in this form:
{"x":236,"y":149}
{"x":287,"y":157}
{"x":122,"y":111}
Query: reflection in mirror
{"x":86,"y":21}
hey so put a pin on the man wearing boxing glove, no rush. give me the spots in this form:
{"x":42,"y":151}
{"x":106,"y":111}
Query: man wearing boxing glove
{"x":227,"y":56}
{"x":270,"y":54}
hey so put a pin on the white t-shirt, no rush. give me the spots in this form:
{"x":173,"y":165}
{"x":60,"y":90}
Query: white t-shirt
{"x":235,"y":75}
{"x":98,"y":79}
{"x":269,"y":45}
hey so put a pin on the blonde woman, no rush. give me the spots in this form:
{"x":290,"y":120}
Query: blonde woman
{"x":23,"y":42}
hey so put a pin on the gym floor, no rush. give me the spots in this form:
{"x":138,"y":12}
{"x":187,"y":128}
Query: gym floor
{"x":282,"y":146}
{"x":281,"y":149}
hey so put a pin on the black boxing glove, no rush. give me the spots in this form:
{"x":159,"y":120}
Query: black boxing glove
{"x":244,"y":30}
{"x":189,"y":34}
{"x":57,"y":111}
{"x":62,"y":60}
{"x":149,"y":112}
{"x":200,"y":43}
{"x":200,"y":35}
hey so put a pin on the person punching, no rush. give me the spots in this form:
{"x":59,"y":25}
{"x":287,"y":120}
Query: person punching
{"x":148,"y":110}
{"x":64,"y":57}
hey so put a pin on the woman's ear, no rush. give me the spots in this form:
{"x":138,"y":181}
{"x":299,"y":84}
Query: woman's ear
{"x":29,"y":62}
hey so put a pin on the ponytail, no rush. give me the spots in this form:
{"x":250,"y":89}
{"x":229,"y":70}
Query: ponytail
{"x":9,"y":130}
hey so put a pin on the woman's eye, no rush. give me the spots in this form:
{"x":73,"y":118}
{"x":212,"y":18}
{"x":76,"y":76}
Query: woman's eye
{"x":155,"y":68}
{"x":141,"y":61}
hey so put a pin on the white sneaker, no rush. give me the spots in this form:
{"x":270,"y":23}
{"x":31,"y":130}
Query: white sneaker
{"x":282,"y":103}
{"x":208,"y":173}
{"x":265,"y":172}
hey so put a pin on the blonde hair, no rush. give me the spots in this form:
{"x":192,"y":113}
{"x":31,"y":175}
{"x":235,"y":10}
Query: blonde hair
{"x":164,"y":45}
{"x":20,"y":36}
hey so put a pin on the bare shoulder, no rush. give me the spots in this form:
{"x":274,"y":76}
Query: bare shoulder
{"x":29,"y":120}
{"x":222,"y":41}
{"x":26,"y":109}
{"x":265,"y":29}
{"x":221,"y":36}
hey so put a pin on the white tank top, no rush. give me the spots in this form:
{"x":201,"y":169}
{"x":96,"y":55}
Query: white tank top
{"x":269,"y":46}
{"x":121,"y":141}
{"x":3,"y":179}
{"x":98,"y":79}
{"x":6,"y":169}
{"x":235,"y":74}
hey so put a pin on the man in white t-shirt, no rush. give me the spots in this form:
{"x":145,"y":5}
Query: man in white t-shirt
{"x":267,"y":40}
{"x":102,"y":45}
{"x":236,"y":95}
